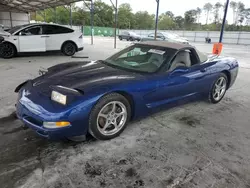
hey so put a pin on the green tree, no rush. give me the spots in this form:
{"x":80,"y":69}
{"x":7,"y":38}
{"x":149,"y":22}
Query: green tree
{"x":239,"y":18}
{"x":169,"y":14}
{"x":165,"y":22}
{"x":198,"y":14}
{"x":217,"y":8}
{"x":208,"y":8}
{"x":103,"y":14}
{"x":125,"y":16}
{"x":190,"y":17}
{"x":143,"y":20}
{"x":179,"y":21}
{"x":247,"y":16}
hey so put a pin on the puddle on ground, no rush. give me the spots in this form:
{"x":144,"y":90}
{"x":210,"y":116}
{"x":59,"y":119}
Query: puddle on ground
{"x":189,"y":120}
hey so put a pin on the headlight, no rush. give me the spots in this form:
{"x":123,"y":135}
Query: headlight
{"x":58,"y":97}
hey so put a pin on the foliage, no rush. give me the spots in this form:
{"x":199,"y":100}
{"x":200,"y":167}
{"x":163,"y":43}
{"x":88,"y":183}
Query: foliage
{"x":217,"y":8}
{"x":144,"y":20}
{"x":125,"y":16}
{"x":166,"y":22}
{"x":127,"y":19}
{"x":208,"y":8}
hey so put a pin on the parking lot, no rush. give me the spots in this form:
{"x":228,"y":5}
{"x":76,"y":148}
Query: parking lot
{"x":194,"y":145}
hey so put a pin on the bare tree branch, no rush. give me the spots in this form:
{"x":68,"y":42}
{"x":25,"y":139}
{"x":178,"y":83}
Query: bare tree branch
{"x":112,"y":4}
{"x":86,"y":5}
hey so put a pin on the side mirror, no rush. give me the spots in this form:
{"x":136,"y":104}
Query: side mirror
{"x":21,"y":33}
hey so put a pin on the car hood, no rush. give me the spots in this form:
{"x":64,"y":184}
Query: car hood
{"x":82,"y":76}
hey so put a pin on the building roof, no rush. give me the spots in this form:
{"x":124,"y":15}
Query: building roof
{"x":31,"y":5}
{"x":167,"y":44}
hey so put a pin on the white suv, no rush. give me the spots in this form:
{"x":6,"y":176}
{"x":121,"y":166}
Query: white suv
{"x":40,"y":38}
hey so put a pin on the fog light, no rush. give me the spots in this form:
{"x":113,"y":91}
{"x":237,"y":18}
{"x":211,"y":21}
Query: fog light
{"x":52,"y":125}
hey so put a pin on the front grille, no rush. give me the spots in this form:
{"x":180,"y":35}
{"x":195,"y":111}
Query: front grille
{"x":33,"y":120}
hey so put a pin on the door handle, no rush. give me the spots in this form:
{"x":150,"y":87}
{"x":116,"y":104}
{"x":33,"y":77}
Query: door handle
{"x":44,"y":36}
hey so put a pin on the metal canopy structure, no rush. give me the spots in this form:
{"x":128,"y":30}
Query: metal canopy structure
{"x":31,"y":5}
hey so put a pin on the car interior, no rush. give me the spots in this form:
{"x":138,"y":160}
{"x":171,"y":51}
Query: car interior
{"x":143,"y":59}
{"x":147,"y":59}
{"x":184,"y":58}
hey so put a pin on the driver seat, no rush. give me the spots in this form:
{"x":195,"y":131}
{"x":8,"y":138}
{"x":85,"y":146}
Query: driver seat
{"x":182,"y":59}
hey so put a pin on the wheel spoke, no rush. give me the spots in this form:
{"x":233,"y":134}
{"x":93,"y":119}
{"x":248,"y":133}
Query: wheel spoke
{"x":115,"y":124}
{"x":216,"y":94}
{"x":221,"y":81}
{"x":113,"y":107}
{"x":120,"y":114}
{"x":103,"y":115}
{"x":106,"y":126}
{"x":223,"y":87}
{"x":217,"y":86}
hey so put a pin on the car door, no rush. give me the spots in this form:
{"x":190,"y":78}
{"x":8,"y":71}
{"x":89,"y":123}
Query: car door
{"x":126,"y":35}
{"x":55,"y":36}
{"x":31,"y":39}
{"x":180,"y":83}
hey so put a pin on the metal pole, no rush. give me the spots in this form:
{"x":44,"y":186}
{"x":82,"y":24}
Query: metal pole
{"x":115,"y":23}
{"x":55,"y":15}
{"x":224,"y":21}
{"x":92,"y":20}
{"x":70,"y":12}
{"x":156,"y":19}
{"x":11,"y":23}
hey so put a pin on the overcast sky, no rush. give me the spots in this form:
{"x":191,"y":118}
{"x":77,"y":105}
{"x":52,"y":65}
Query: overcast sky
{"x":178,"y":7}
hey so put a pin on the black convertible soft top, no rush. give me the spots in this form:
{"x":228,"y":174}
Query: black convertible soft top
{"x":167,"y":44}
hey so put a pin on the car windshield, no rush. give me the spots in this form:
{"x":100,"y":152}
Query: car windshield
{"x":139,"y":58}
{"x":16,"y":28}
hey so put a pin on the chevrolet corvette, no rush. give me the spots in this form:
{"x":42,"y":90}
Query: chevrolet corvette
{"x":73,"y":99}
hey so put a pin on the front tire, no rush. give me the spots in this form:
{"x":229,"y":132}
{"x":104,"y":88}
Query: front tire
{"x":109,"y":117}
{"x":218,"y":89}
{"x":69,"y":49}
{"x":120,"y":38}
{"x":7,"y":50}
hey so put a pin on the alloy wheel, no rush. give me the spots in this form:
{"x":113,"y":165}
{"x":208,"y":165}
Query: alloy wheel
{"x":111,"y":118}
{"x":220,"y":88}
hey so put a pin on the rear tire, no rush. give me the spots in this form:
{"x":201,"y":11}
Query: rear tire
{"x":109,"y":117}
{"x":218,"y":89}
{"x":7,"y":50}
{"x":69,"y":48}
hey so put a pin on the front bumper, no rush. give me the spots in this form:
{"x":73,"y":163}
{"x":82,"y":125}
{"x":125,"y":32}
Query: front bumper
{"x":33,"y":115}
{"x":80,"y":49}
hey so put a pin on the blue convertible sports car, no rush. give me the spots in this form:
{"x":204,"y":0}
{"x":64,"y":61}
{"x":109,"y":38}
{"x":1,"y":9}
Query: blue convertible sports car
{"x":100,"y":97}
